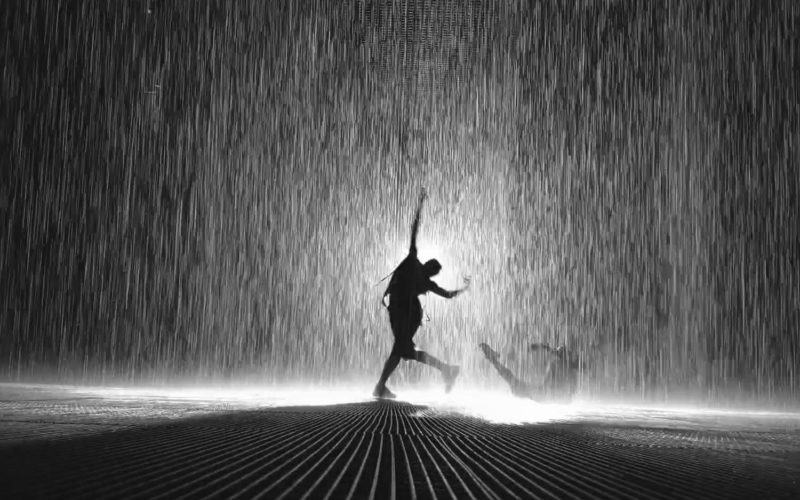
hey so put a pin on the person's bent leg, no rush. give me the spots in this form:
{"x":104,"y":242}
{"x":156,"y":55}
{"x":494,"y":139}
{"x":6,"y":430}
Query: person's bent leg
{"x":449,"y":372}
{"x":424,"y":357}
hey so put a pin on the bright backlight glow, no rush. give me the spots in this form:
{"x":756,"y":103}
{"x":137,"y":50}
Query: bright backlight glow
{"x":492,"y":406}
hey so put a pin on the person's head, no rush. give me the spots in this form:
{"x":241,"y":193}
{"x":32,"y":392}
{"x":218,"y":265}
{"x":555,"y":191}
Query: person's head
{"x":431,"y":268}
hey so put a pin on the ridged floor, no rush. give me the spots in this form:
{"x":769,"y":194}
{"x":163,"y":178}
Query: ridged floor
{"x":381,"y":450}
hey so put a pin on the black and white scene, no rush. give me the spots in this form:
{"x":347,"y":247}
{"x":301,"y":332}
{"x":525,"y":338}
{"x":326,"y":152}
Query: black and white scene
{"x":390,"y":249}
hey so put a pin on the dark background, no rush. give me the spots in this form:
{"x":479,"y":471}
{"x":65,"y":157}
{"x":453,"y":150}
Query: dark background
{"x":212,"y":189}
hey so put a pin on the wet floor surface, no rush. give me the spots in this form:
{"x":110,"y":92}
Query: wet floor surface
{"x":64,"y":444}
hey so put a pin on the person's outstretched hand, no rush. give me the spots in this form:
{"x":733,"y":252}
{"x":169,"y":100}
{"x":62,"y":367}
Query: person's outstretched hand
{"x":458,"y":292}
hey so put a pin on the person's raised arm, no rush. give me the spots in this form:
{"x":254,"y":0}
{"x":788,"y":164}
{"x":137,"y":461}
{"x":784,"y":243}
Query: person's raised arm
{"x":415,"y":226}
{"x":448,"y":294}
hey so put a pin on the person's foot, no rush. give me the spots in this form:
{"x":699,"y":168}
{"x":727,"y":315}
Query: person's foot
{"x":450,"y":375}
{"x":383,"y":392}
{"x":490,"y":353}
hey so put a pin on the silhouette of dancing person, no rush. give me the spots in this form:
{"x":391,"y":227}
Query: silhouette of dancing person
{"x":409,"y":280}
{"x":560,"y":380}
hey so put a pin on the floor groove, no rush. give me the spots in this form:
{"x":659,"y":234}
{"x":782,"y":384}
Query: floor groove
{"x":387,"y":450}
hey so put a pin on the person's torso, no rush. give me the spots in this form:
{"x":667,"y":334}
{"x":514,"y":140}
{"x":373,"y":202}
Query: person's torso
{"x":408,"y":281}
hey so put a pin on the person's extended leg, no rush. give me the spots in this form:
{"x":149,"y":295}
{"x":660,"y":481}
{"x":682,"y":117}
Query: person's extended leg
{"x":449,"y":372}
{"x":381,"y":391}
{"x":428,"y":359}
{"x":518,"y":387}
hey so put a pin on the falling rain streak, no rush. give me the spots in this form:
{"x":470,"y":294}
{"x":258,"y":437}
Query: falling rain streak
{"x":212,"y":190}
